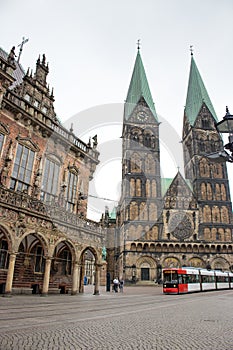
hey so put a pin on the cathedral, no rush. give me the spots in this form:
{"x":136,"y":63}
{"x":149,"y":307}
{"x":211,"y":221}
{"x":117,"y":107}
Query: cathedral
{"x":184,"y":221}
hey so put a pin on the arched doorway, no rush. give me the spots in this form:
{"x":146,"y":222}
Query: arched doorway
{"x":146,"y":269}
{"x":62,"y":268}
{"x":88,"y":270}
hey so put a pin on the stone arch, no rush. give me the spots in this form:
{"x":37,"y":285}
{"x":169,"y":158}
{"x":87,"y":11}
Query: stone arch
{"x":183,"y":248}
{"x":196,"y":262}
{"x":224,"y":215}
{"x":165,"y":248}
{"x":152,"y":247}
{"x":171,"y":248}
{"x":139,"y":247}
{"x":171,"y":262}
{"x":220,"y":264}
{"x":201,"y":248}
{"x":89,"y":260}
{"x":6,"y":234}
{"x":133,"y":247}
{"x":152,"y":212}
{"x":189,"y":248}
{"x":138,"y":189}
{"x":146,"y":269}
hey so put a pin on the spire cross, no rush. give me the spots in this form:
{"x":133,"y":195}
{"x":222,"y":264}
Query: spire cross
{"x":24,"y":41}
{"x":138,"y":43}
{"x":191,"y":49}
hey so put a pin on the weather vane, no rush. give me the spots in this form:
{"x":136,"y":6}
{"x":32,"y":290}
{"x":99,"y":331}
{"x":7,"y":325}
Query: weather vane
{"x":24,"y":41}
{"x":138,"y":43}
{"x":191,"y":49}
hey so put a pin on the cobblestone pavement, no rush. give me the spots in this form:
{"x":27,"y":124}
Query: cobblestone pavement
{"x":140,"y":318}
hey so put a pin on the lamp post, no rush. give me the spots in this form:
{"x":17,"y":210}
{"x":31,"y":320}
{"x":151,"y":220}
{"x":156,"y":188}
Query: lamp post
{"x":224,"y":126}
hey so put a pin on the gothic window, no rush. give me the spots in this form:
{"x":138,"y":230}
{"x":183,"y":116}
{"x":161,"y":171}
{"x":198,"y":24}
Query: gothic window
{"x":147,"y":140}
{"x":3,"y":254}
{"x":217,"y":171}
{"x":66,"y":262}
{"x":204,"y":168}
{"x":147,"y":188}
{"x":138,"y":188}
{"x":135,"y":163}
{"x":209,"y":192}
{"x":143,"y":212}
{"x":207,"y":234}
{"x":22,"y":171}
{"x":223,"y":192}
{"x":153,"y":189}
{"x":152,"y":212}
{"x":39,"y":260}
{"x":133,"y":211}
{"x":150,"y":164}
{"x":216,"y":214}
{"x":224,"y":215}
{"x":132,"y":187}
{"x":205,"y":122}
{"x":71,"y":190}
{"x":180,"y":226}
{"x":134,"y":138}
{"x":50,"y":179}
{"x":153,"y":141}
{"x":206,"y":214}
{"x":203,"y":191}
{"x":217,"y":192}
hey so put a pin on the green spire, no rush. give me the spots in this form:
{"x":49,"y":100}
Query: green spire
{"x":197,"y":94}
{"x":138,"y":88}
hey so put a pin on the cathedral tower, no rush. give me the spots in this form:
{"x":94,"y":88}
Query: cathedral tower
{"x":140,"y":204}
{"x":209,"y":180}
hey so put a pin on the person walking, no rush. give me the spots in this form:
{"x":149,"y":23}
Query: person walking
{"x":115,"y":284}
{"x":121,"y":285}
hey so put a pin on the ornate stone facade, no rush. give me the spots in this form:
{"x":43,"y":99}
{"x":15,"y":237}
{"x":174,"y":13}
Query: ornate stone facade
{"x":44,"y":179}
{"x":188,"y":222}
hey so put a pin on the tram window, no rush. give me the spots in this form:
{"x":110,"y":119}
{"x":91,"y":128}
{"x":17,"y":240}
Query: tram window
{"x":170,"y":276}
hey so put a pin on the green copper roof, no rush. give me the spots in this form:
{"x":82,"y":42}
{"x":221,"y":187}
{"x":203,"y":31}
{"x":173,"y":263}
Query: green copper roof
{"x":197,"y":94}
{"x":138,"y":88}
{"x":165,"y":184}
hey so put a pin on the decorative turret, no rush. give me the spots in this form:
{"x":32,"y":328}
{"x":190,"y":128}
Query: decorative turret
{"x":42,"y":70}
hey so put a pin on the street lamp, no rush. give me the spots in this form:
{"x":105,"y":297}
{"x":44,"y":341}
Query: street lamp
{"x":224,"y":126}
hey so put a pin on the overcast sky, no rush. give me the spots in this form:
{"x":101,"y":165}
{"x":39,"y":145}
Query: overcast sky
{"x":91,"y":49}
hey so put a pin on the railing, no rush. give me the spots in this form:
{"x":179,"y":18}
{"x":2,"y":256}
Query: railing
{"x":52,"y":211}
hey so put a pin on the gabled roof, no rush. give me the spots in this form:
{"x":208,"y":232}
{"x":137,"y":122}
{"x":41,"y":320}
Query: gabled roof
{"x":196,"y":95}
{"x":138,"y":88}
{"x":167,"y":184}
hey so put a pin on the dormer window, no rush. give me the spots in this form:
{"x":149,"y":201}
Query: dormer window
{"x":27,"y":97}
{"x":36,"y":103}
{"x":45,"y":110}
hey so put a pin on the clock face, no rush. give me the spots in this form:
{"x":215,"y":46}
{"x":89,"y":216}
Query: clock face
{"x":141,"y":116}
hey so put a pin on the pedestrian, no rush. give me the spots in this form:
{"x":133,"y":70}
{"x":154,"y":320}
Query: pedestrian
{"x":121,"y":285}
{"x":115,"y":284}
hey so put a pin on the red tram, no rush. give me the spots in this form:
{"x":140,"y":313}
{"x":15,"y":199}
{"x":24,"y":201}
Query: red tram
{"x":190,"y":279}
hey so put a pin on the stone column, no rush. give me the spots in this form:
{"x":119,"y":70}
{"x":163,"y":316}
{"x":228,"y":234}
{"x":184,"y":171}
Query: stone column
{"x":81,"y":280}
{"x":97,"y":279}
{"x":75,"y":279}
{"x":46,"y":277}
{"x":10,"y":274}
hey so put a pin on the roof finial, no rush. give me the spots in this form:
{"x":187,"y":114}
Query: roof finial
{"x":191,"y":49}
{"x":24,"y":41}
{"x":138,"y":43}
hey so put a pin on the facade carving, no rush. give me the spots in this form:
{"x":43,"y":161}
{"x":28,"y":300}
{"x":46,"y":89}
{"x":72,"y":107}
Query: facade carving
{"x":185,"y":221}
{"x":46,"y":241}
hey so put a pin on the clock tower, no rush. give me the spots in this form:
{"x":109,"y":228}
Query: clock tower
{"x":140,"y":203}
